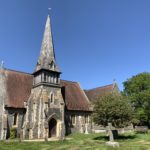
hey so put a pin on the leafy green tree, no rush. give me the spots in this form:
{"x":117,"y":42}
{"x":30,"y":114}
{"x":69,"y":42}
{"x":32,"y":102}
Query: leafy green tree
{"x":137,"y":89}
{"x":112,"y":108}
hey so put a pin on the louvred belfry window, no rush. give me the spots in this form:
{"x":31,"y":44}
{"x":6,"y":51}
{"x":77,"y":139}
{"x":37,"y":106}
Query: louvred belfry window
{"x":44,"y":77}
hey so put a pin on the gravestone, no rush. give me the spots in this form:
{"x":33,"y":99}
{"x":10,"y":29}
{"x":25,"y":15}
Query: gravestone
{"x":141,"y":129}
{"x":111,"y":142}
{"x":111,"y":136}
{"x":86,"y":129}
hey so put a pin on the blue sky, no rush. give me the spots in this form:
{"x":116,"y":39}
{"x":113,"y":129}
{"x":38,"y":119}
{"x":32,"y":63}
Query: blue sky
{"x":95,"y":41}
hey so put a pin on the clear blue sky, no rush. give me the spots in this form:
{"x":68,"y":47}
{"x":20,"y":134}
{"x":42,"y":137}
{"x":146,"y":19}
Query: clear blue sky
{"x":95,"y":41}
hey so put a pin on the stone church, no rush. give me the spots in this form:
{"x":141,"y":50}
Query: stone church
{"x":41,"y":105}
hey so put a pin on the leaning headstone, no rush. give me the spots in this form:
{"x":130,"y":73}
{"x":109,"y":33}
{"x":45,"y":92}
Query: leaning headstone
{"x":111,"y":142}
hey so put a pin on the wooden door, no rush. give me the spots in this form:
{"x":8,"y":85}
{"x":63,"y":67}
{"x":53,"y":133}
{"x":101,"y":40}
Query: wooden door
{"x":52,"y":127}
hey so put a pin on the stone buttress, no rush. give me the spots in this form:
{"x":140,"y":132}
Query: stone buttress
{"x":3,"y":98}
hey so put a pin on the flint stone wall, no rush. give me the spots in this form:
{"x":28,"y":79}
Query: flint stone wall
{"x":10,"y":120}
{"x":80,"y":125}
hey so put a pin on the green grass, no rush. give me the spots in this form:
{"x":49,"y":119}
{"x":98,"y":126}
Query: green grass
{"x":78,"y":141}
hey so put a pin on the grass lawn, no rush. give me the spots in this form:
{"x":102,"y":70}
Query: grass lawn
{"x":78,"y":141}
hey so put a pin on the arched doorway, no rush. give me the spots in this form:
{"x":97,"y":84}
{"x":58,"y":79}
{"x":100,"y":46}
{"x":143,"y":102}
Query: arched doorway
{"x":52,"y":127}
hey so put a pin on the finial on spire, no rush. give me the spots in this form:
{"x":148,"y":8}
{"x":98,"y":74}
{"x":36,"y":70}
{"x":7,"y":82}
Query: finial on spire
{"x":49,"y":9}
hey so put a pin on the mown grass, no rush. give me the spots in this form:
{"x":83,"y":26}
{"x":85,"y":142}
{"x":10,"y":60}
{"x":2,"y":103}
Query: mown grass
{"x":131,"y":141}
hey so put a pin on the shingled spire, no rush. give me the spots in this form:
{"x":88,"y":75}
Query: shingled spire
{"x":47,"y":55}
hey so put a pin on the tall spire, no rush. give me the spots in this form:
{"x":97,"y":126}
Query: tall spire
{"x":47,"y":55}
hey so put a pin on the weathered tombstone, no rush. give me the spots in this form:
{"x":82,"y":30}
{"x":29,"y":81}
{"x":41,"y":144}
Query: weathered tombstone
{"x":86,"y":129}
{"x":141,"y":129}
{"x":111,"y":136}
{"x":111,"y":142}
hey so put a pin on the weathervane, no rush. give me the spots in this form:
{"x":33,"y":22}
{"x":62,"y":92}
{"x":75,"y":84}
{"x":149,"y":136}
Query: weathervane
{"x":49,"y":9}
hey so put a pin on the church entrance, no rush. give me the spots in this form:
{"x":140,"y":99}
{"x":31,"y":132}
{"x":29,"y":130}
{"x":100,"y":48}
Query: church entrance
{"x":52,"y":127}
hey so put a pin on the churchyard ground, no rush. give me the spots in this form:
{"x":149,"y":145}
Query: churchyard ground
{"x":130,"y":141}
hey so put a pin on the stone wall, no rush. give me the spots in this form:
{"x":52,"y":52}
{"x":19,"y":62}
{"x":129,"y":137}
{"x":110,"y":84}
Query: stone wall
{"x":78,"y":121}
{"x":45,"y":102}
{"x":15,"y":115}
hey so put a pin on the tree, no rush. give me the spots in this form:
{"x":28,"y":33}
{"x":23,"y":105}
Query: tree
{"x":112,"y":108}
{"x":137,"y":89}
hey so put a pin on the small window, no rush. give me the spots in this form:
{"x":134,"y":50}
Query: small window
{"x":52,"y":79}
{"x":15,"y":119}
{"x":52,"y":98}
{"x":52,"y":65}
{"x":73,"y":119}
{"x":86,"y":119}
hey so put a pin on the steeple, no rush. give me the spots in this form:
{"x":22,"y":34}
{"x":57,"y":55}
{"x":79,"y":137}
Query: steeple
{"x":47,"y":71}
{"x":47,"y":59}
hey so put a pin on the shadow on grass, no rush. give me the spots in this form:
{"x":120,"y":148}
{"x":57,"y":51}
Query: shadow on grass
{"x":103,"y":138}
{"x":120,"y":137}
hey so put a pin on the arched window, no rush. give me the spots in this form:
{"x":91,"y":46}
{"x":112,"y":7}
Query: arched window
{"x":52,"y":98}
{"x":73,"y":119}
{"x":86,"y":119}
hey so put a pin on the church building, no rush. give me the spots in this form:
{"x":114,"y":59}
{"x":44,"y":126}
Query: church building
{"x":41,"y":105}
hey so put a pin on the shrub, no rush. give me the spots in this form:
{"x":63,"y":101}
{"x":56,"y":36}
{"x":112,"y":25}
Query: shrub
{"x":13,"y":133}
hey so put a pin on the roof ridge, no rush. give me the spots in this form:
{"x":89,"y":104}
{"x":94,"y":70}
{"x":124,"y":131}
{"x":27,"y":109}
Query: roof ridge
{"x":18,"y":71}
{"x":99,"y":87}
{"x":69,"y":81}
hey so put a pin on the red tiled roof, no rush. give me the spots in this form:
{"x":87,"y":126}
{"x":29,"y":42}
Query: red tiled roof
{"x":75,"y":98}
{"x":93,"y":94}
{"x":19,"y":86}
